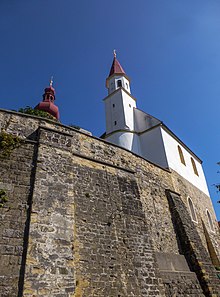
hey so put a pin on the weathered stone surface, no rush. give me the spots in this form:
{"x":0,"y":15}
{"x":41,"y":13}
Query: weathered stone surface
{"x":172,"y":262}
{"x":181,"y":284}
{"x":192,"y":247}
{"x":16,"y":179}
{"x":202,"y":203}
{"x":85,"y":218}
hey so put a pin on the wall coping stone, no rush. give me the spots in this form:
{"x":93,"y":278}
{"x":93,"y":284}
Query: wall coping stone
{"x":87,"y":133}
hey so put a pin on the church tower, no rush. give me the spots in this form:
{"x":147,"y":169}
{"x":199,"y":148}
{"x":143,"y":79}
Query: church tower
{"x":143,"y":134}
{"x":119,"y":109}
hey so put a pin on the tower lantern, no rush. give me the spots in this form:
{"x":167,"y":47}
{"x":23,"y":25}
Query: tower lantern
{"x":117,"y":77}
{"x":48,"y":101}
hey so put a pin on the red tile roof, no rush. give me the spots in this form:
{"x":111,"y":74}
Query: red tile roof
{"x":116,"y":68}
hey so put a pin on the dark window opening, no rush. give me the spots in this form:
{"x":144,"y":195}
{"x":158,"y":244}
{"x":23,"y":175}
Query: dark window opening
{"x":119,"y":84}
{"x":181,"y":155}
{"x":194,"y":166}
{"x":113,"y":105}
{"x":115,"y":123}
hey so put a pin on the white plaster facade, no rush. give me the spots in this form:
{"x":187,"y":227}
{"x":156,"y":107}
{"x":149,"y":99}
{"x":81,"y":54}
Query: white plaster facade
{"x":174,"y":162}
{"x":152,"y":147}
{"x":119,"y":107}
{"x":145,"y":135}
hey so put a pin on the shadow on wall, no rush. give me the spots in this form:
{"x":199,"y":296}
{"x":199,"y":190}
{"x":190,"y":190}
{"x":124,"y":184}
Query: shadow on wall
{"x":190,"y":245}
{"x":34,"y":136}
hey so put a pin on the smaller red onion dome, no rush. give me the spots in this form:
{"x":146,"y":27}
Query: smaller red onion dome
{"x":49,"y":89}
{"x":48,"y":102}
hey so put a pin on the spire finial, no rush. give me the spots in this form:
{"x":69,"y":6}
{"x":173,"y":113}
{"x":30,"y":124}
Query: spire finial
{"x":114,"y":52}
{"x":51,"y":81}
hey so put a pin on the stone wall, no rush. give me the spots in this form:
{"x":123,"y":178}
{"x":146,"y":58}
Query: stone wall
{"x":87,"y":228}
{"x":201,"y":203}
{"x":192,"y":247}
{"x":181,"y":284}
{"x":177,"y":278}
{"x":98,"y":214}
{"x":16,"y":178}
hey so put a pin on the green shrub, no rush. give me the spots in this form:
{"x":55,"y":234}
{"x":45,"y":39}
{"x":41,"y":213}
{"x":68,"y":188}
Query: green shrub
{"x":3,"y":197}
{"x":36,"y":112}
{"x":74,"y":126}
{"x":7,"y":143}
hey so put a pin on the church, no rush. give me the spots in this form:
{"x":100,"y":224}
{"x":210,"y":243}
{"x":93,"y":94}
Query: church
{"x":143,"y":134}
{"x":124,"y":215}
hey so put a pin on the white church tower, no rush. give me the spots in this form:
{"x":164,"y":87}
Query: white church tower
{"x":119,"y":109}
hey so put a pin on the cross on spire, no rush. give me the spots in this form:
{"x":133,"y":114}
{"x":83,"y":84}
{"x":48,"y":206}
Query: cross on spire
{"x":114,"y":52}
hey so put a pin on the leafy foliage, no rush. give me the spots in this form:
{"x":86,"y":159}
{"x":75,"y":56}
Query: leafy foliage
{"x":7,"y":143}
{"x":3,"y":197}
{"x":74,"y":126}
{"x":36,"y":112}
{"x":218,"y":185}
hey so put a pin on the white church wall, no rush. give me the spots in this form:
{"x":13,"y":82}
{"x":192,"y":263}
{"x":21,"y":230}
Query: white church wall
{"x":144,"y":121}
{"x":152,"y":147}
{"x":174,"y":162}
{"x":127,"y":140}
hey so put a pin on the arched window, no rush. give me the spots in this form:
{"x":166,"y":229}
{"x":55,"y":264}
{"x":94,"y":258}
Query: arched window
{"x":194,"y":166}
{"x":192,"y":210}
{"x":210,"y":221}
{"x":181,"y":155}
{"x":119,"y":84}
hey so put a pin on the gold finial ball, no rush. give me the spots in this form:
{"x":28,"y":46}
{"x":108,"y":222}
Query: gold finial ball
{"x":51,"y":81}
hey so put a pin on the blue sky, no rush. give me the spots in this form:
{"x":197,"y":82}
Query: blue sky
{"x":170,"y":50}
